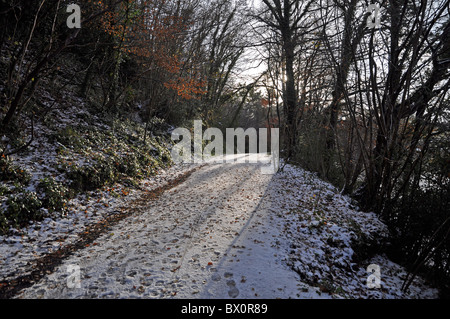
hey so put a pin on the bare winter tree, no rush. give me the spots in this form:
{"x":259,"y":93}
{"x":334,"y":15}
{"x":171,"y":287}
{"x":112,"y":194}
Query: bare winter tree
{"x":288,"y":21}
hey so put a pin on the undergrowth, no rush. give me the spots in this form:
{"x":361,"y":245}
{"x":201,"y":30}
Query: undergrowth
{"x":87,"y":158}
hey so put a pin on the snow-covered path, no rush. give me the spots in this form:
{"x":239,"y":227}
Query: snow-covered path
{"x":214,"y":236}
{"x":228,"y":231}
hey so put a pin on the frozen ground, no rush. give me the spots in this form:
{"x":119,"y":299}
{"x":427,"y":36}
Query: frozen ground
{"x":227,"y":232}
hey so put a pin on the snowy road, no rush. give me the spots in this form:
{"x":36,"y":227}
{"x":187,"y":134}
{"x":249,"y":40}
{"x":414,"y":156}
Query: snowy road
{"x":227,"y":231}
{"x":214,"y":236}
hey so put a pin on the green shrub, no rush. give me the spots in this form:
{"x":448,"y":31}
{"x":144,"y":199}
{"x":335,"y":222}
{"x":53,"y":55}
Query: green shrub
{"x":105,"y":172}
{"x":86,"y":177}
{"x":11,"y":172}
{"x":69,"y":137}
{"x":55,"y":194}
{"x":3,"y":223}
{"x":129,"y":165}
{"x":21,"y":209}
{"x":4,"y":190}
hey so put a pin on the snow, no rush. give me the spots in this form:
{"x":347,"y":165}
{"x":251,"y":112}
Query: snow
{"x":325,"y":229}
{"x":17,"y":251}
{"x":226,"y":232}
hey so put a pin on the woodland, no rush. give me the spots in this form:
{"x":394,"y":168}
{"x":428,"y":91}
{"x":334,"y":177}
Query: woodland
{"x":364,"y":106}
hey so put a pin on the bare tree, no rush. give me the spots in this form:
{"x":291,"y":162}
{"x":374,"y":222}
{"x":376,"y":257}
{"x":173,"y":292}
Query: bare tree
{"x":287,"y":19}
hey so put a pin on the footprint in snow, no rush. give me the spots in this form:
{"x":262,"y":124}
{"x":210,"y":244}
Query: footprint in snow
{"x":233,"y":292}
